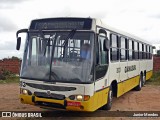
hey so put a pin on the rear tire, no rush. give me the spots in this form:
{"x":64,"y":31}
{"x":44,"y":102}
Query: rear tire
{"x":110,"y":99}
{"x":144,"y":80}
{"x":138,"y":87}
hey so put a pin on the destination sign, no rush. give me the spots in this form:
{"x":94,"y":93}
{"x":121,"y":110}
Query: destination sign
{"x":61,"y":23}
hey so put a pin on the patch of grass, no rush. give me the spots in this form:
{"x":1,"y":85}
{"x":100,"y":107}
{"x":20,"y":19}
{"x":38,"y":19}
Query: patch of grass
{"x":155,"y":79}
{"x":12,"y":79}
{"x":8,"y":77}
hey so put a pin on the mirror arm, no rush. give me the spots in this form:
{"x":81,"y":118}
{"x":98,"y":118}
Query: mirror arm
{"x":21,"y":31}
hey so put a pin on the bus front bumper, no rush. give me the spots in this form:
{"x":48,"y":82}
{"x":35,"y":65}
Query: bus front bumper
{"x":96,"y":101}
{"x":66,"y":104}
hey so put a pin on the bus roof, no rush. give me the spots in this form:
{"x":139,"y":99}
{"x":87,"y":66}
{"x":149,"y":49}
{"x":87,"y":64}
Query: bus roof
{"x":99,"y":23}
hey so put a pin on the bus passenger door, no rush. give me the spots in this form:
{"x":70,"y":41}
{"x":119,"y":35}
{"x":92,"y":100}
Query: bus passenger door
{"x":101,"y":70}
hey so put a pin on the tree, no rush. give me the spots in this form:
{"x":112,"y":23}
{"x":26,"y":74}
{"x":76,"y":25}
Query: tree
{"x":15,"y":58}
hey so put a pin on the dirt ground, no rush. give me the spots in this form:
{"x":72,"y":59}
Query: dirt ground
{"x":148,"y":99}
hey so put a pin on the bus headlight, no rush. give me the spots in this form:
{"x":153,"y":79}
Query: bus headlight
{"x":25,"y":92}
{"x":79,"y":97}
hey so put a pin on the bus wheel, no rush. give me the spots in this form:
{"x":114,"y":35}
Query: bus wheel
{"x":110,"y":99}
{"x":144,"y":80}
{"x":138,"y":87}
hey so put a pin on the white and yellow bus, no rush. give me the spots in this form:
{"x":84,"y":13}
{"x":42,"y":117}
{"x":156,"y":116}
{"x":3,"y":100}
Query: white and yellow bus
{"x":80,"y":64}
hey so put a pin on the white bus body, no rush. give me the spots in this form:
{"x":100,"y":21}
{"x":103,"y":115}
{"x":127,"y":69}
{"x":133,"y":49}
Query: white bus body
{"x":119,"y":62}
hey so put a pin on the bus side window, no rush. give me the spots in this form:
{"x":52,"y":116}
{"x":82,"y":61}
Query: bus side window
{"x":103,"y":53}
{"x":114,"y":53}
{"x":146,"y":51}
{"x":123,"y":49}
{"x":140,"y":50}
{"x":135,"y":50}
{"x":130,"y":51}
{"x":150,"y":52}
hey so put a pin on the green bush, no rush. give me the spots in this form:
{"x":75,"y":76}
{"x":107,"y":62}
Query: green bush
{"x":8,"y":77}
{"x":5,"y":74}
{"x":155,"y":79}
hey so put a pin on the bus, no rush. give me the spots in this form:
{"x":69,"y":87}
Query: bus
{"x":80,"y":64}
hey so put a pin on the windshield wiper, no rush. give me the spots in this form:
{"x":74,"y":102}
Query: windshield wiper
{"x":70,"y":35}
{"x":53,"y":48}
{"x":48,"y":43}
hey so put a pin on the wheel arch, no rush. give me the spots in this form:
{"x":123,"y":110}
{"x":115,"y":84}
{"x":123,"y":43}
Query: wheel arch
{"x":114,"y":86}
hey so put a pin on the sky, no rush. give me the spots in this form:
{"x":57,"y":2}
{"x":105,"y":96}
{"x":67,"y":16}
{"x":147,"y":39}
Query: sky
{"x":138,"y":17}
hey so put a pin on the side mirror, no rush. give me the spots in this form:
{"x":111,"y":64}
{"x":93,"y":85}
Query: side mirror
{"x":106,"y":44}
{"x":19,"y":38}
{"x":18,"y":43}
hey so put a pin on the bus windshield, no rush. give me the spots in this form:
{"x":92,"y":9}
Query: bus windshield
{"x":61,"y":56}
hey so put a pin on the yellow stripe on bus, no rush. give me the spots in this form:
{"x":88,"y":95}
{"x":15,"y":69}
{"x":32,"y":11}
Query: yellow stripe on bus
{"x":129,"y":84}
{"x":149,"y":75}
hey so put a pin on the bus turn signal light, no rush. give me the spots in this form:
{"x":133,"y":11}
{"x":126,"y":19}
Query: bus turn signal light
{"x":86,"y":97}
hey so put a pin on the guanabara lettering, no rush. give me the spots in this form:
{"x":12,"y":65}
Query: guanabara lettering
{"x":130,"y":68}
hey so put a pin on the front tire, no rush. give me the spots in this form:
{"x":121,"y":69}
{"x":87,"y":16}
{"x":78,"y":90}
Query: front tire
{"x":110,"y":99}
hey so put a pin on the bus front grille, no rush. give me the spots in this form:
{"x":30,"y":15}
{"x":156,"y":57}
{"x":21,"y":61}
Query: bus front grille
{"x":49,"y":96}
{"x":50,"y":87}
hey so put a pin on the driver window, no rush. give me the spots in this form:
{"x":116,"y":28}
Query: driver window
{"x":102,"y":57}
